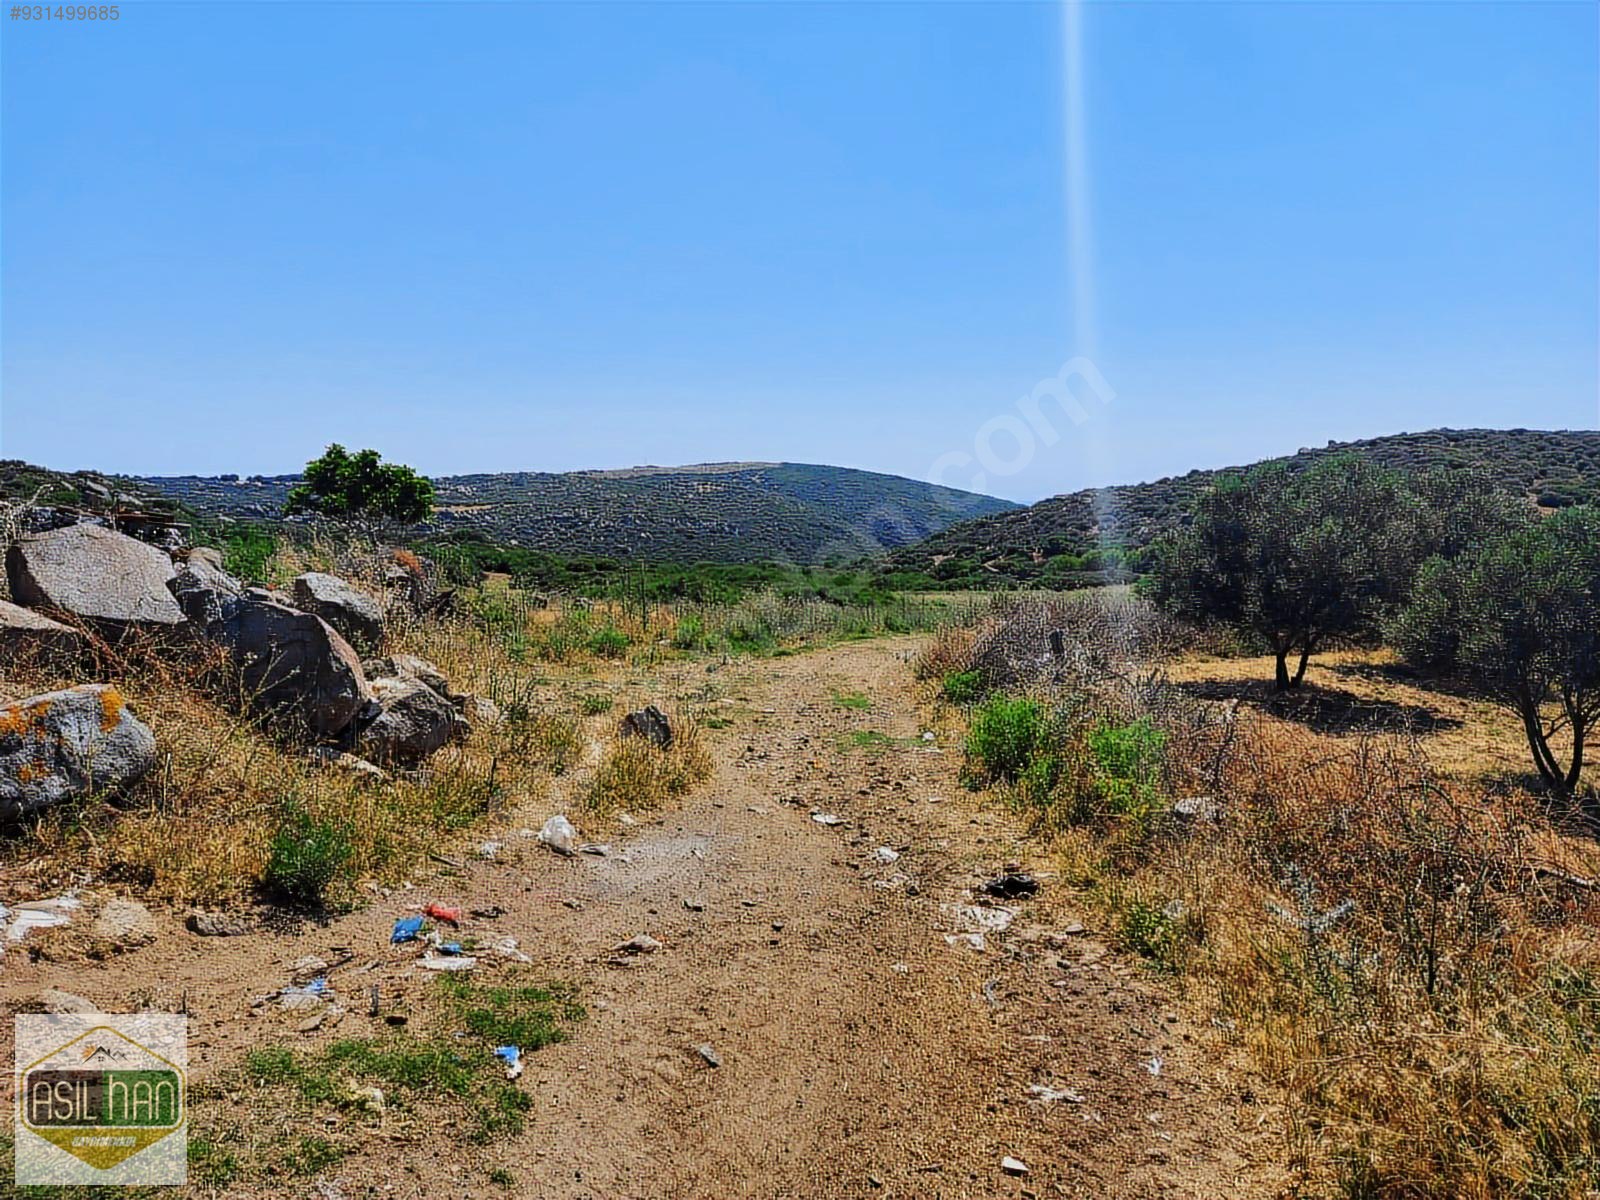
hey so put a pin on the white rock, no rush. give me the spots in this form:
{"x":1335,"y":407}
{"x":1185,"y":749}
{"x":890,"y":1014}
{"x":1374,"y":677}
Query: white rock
{"x":559,"y":835}
{"x":886,"y":855}
{"x":1013,"y":1166}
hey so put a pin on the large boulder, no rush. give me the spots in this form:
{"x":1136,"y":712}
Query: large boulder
{"x":94,"y":573}
{"x":414,"y":721}
{"x":202,"y":587}
{"x":64,"y":745}
{"x":293,"y":662}
{"x":352,"y":612}
{"x":25,"y":632}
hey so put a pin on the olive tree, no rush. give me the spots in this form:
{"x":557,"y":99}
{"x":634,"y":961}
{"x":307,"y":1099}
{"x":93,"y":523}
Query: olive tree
{"x":1295,"y":557}
{"x":1518,"y":617}
{"x":361,"y":486}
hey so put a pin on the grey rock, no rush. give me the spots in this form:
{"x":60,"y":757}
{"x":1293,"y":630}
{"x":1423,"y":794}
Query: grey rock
{"x":649,"y":723}
{"x":60,"y":1003}
{"x":408,"y":666}
{"x":413,"y":722}
{"x":96,"y":574}
{"x":357,"y":768}
{"x":1197,"y":809}
{"x":64,"y":745}
{"x":25,"y":632}
{"x":202,"y":588}
{"x":293,"y":662}
{"x":351,"y":611}
{"x":126,"y":922}
{"x":476,"y":712}
{"x":215,"y":924}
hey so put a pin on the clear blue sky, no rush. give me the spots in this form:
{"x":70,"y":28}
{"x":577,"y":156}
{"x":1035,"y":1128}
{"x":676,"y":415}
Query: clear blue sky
{"x":519,"y":236}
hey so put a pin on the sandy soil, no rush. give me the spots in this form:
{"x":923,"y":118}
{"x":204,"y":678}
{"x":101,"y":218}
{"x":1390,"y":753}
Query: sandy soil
{"x":862,"y":1054}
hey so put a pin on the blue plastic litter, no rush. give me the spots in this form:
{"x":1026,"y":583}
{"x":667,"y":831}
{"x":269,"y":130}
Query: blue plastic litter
{"x":510,"y":1055}
{"x":406,"y":929}
{"x":317,"y":986}
{"x":449,"y":947}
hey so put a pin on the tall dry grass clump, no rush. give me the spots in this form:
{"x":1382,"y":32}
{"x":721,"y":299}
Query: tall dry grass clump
{"x":1411,"y":956}
{"x":636,"y":775}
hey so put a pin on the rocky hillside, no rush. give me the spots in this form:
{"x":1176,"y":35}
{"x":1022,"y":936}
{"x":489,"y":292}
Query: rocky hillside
{"x":715,"y":512}
{"x":1066,"y":538}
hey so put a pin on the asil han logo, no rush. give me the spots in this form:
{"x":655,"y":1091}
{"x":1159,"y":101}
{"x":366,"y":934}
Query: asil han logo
{"x":97,"y":1098}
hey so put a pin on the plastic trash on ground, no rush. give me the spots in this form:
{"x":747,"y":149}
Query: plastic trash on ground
{"x":406,"y":929}
{"x":442,"y":912}
{"x":512,"y":1057}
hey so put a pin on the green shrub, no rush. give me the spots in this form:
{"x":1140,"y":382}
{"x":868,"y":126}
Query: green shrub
{"x":1125,"y":761}
{"x":963,"y":687}
{"x":689,"y":633}
{"x":246,"y":549}
{"x":1155,"y":931}
{"x":305,"y":856}
{"x":607,"y":642}
{"x":1004,"y":735}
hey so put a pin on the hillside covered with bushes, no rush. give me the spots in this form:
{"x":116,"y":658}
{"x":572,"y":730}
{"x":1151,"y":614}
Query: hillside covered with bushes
{"x":715,"y":512}
{"x":1095,"y":534}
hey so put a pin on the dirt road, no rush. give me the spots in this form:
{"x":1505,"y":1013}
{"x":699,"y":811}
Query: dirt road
{"x":862,"y":1054}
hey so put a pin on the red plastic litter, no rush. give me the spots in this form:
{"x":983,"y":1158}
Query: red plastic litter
{"x":443,"y":912}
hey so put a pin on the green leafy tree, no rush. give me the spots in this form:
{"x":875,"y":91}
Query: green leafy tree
{"x":1295,"y":557}
{"x":1519,"y":618}
{"x":361,"y":486}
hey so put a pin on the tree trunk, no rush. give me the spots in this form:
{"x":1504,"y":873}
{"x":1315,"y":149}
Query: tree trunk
{"x":1543,"y":758}
{"x":1283,"y":683}
{"x":1300,"y":671}
{"x":1576,"y":770}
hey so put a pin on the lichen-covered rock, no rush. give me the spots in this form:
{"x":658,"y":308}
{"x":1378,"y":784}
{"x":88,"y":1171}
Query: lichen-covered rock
{"x":25,"y":632}
{"x":202,"y":587}
{"x":94,"y":573}
{"x":292,"y":662}
{"x":351,"y":611}
{"x":414,"y":722}
{"x":65,"y":745}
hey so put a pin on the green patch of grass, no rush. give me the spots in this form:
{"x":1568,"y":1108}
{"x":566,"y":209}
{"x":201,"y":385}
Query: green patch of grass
{"x":716,"y":722}
{"x":455,"y":1065}
{"x":513,"y":1014}
{"x":593,"y":704}
{"x":502,"y":1177}
{"x":311,"y":1155}
{"x":853,"y":700}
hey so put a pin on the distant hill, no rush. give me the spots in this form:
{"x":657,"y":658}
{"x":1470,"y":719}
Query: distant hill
{"x":1064,"y":539}
{"x":711,"y":512}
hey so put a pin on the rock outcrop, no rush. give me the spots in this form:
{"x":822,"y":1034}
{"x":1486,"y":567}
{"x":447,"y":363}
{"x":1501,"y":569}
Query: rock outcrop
{"x":64,"y":745}
{"x":25,"y":632}
{"x":293,"y":662}
{"x":356,"y":615}
{"x":414,"y":722}
{"x":97,"y":574}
